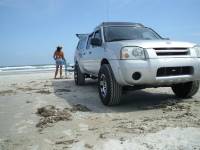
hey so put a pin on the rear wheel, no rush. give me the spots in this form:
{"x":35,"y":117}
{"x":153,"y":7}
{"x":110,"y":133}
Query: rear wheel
{"x":109,"y":90}
{"x":186,"y":90}
{"x":79,"y":77}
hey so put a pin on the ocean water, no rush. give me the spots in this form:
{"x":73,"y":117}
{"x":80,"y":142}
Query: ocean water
{"x":30,"y":68}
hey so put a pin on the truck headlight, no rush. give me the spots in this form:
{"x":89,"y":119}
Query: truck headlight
{"x":197,"y":50}
{"x":132,"y":53}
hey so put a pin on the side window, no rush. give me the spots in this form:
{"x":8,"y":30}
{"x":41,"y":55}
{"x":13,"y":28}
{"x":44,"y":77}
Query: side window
{"x":97,"y":34}
{"x":88,"y":42}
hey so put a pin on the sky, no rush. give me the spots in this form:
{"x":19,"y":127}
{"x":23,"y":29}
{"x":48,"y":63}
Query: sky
{"x":30,"y":30}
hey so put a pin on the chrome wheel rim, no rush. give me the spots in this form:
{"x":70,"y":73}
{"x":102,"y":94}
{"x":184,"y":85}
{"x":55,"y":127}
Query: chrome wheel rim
{"x":103,"y":85}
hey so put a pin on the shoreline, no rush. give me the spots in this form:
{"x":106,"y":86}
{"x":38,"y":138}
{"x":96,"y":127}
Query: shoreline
{"x":3,"y":73}
{"x":31,"y":69}
{"x":25,"y":72}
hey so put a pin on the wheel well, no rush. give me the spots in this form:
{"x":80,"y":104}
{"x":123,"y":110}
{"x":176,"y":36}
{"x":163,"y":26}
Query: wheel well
{"x":104,"y":61}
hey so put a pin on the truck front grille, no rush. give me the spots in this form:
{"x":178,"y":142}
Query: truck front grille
{"x":171,"y":51}
{"x":175,"y":71}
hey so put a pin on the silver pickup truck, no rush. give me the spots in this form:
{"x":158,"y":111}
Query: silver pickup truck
{"x":125,"y":55}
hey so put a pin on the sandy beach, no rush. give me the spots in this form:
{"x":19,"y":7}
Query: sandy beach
{"x":38,"y":112}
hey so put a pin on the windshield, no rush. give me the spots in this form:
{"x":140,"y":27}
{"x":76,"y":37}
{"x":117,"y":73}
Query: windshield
{"x":118,"y":33}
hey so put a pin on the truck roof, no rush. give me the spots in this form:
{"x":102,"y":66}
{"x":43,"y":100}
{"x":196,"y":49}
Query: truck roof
{"x":113,"y":24}
{"x":121,"y":24}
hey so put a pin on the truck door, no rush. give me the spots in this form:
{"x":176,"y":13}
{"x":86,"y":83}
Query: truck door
{"x":80,"y":53}
{"x":86,"y":54}
{"x":95,"y":54}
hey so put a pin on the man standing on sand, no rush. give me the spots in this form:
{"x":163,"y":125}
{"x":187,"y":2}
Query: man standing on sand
{"x":60,"y":59}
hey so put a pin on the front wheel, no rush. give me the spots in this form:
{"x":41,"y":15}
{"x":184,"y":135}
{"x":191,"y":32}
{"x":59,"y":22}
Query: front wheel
{"x":186,"y":90}
{"x":109,"y":90}
{"x":79,"y":77}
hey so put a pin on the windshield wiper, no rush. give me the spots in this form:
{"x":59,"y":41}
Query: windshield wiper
{"x":118,"y":40}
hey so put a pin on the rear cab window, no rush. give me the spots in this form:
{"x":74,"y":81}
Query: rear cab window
{"x":81,"y":43}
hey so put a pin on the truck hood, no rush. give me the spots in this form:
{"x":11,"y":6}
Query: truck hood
{"x":153,"y":43}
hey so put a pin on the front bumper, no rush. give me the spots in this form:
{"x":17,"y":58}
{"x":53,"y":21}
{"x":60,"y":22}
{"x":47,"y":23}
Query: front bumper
{"x":124,"y":69}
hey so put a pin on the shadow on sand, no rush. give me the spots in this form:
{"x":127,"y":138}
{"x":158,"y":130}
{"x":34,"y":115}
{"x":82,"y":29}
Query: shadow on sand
{"x":87,"y":95}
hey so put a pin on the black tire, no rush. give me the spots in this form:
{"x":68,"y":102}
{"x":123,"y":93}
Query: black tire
{"x":186,"y":90}
{"x":79,"y":77}
{"x":113,"y":92}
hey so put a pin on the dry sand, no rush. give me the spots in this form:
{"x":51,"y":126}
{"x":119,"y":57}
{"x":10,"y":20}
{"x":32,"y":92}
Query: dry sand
{"x":40,"y":113}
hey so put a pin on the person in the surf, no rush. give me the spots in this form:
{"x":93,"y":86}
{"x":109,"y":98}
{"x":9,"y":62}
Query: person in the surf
{"x":60,"y":60}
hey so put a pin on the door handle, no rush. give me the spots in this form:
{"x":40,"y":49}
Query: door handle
{"x":90,"y":52}
{"x":83,"y":53}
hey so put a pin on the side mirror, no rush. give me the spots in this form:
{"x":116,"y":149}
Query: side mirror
{"x":96,"y":42}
